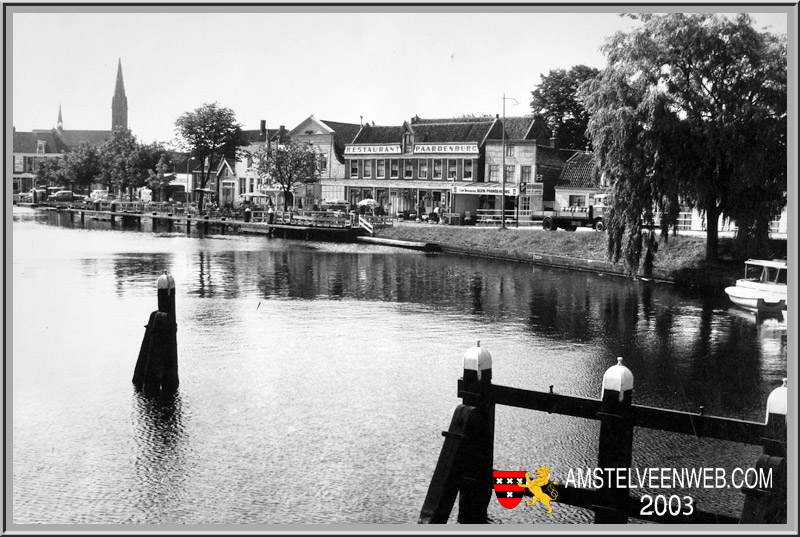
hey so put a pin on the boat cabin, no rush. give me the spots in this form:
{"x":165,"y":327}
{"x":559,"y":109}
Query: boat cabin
{"x":763,"y":271}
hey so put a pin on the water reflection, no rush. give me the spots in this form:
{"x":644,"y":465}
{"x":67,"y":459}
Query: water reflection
{"x":161,"y":458}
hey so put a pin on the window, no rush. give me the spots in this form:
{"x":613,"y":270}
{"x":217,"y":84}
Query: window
{"x":380,"y":172}
{"x":437,"y":169}
{"x":394,"y":170}
{"x":323,"y":163}
{"x":468,"y":170}
{"x":407,"y":143}
{"x":509,"y":172}
{"x":353,"y":168}
{"x":509,"y":150}
{"x":525,"y":203}
{"x":423,"y":169}
{"x":242,"y":186}
{"x":451,"y":169}
{"x":408,"y":169}
{"x":367,"y":169}
{"x":577,"y":201}
{"x":40,"y":145}
{"x":494,"y":173}
{"x":526,"y":174}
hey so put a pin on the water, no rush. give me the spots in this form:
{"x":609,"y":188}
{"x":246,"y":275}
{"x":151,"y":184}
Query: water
{"x":316,"y":378}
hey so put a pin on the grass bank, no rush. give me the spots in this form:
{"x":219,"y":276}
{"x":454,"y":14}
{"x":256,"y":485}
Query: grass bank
{"x":681,"y":259}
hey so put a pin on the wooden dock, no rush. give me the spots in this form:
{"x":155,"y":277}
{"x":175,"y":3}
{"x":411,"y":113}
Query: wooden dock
{"x":301,"y":228}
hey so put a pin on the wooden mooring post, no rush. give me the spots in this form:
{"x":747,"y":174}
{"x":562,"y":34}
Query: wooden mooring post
{"x":465,"y":465}
{"x":157,"y":366}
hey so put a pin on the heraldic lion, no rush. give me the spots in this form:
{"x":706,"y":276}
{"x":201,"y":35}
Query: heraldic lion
{"x":535,"y":486}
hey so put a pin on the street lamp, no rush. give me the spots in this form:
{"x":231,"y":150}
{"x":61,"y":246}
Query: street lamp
{"x":503,"y":183}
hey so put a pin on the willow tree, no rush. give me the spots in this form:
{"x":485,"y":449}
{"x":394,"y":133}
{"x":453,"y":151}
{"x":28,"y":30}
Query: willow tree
{"x":691,"y":110}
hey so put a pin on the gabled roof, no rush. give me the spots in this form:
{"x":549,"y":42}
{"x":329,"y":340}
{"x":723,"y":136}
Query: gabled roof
{"x":579,"y":172}
{"x":379,"y":134}
{"x":28,"y":142}
{"x":453,"y":130}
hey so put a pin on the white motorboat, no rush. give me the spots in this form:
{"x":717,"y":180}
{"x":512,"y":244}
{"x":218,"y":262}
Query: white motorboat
{"x":763,"y":287}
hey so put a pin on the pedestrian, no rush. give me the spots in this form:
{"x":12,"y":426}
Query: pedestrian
{"x":270,"y":214}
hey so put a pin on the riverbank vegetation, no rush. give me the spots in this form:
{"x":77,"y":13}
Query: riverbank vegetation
{"x":681,"y":254}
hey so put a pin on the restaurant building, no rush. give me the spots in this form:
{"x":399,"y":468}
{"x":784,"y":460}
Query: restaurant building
{"x":416,"y":166}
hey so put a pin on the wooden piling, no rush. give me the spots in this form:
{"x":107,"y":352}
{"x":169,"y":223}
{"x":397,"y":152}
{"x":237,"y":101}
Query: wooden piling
{"x":615,"y":445}
{"x":157,"y":365}
{"x":768,"y":505}
{"x":476,"y":488}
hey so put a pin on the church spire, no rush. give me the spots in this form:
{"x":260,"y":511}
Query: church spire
{"x":119,"y":103}
{"x":60,"y":124}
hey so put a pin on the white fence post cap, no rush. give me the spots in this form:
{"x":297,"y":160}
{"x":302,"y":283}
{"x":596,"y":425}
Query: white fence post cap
{"x":777,"y":400}
{"x":618,"y":378}
{"x":477,"y":358}
{"x":165,"y":281}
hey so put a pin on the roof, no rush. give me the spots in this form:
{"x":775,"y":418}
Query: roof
{"x":550,"y":156}
{"x":254,"y":136}
{"x":27,"y":142}
{"x":343,"y":134}
{"x":579,"y":172}
{"x":72,"y":138}
{"x":378,"y":134}
{"x":452,"y":130}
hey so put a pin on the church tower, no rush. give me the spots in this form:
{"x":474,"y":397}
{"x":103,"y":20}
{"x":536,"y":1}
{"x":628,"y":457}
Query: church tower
{"x":60,"y":124}
{"x":119,"y":104}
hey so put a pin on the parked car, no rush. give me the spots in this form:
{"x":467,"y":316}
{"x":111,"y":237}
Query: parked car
{"x":65,"y":195}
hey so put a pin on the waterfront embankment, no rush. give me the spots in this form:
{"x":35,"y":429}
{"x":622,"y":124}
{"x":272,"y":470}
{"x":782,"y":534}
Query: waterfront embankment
{"x":679,"y":260}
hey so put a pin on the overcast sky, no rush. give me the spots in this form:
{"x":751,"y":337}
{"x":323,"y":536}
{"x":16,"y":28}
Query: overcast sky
{"x":283,"y":67}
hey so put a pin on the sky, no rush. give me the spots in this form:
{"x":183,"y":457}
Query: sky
{"x":282,"y":65}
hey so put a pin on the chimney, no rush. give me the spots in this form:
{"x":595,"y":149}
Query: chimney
{"x":263,"y":127}
{"x":554,"y":142}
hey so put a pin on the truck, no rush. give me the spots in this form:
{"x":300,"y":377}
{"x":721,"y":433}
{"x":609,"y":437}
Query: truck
{"x":571,"y":218}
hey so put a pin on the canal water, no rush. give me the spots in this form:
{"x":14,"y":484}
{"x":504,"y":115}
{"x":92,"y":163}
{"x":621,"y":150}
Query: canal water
{"x":316,"y":378}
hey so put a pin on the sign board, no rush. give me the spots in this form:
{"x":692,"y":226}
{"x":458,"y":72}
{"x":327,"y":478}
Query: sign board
{"x":484,"y":190}
{"x":446,"y":148}
{"x":393,"y":149}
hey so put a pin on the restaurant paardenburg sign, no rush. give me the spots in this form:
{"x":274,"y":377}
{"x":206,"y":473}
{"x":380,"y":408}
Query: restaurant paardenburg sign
{"x":372,"y":149}
{"x":445,"y":148}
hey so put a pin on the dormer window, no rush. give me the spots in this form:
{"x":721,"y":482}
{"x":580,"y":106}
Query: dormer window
{"x":40,"y":147}
{"x":407,"y":142}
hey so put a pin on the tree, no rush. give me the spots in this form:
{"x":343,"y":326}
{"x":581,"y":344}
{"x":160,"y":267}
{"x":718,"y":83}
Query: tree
{"x":50,"y":171}
{"x":558,"y":100}
{"x":82,"y":166}
{"x":210,"y":133}
{"x":288,"y":165}
{"x":117,"y":155}
{"x":154,"y":163}
{"x":691,"y":109}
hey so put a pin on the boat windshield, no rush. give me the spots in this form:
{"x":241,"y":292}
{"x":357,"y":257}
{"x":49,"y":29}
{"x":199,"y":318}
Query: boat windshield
{"x":765,"y":274}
